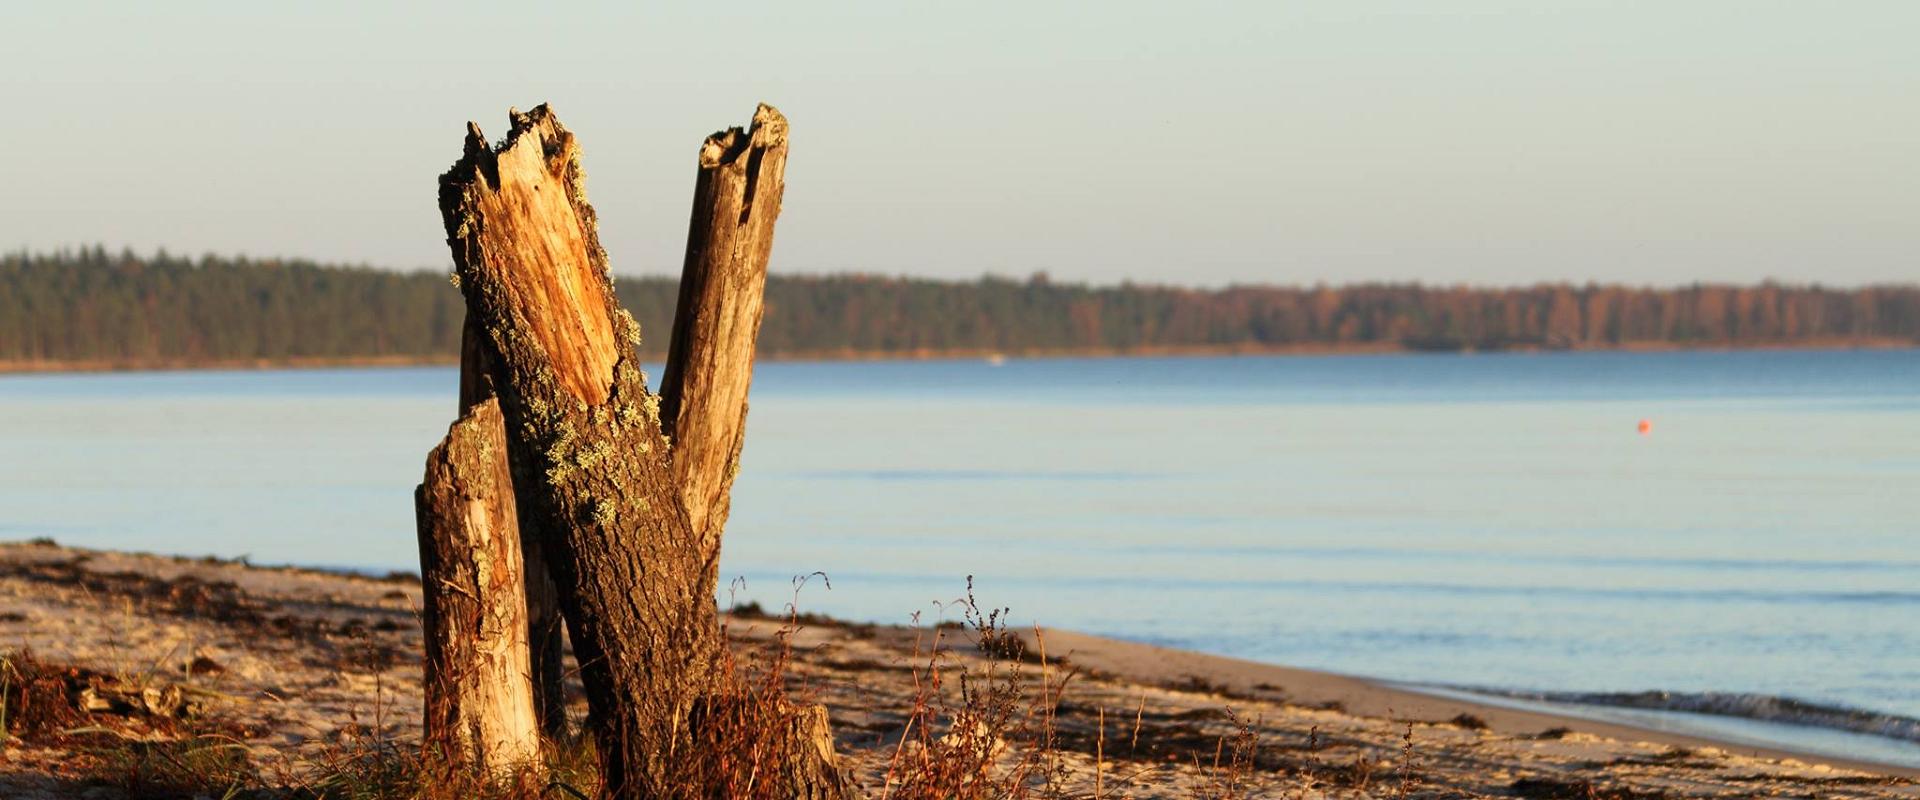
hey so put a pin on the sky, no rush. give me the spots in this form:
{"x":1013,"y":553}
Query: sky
{"x":1201,"y":143}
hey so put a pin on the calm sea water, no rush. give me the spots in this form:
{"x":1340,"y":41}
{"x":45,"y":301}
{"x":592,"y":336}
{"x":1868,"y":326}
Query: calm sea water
{"x":1490,"y":522}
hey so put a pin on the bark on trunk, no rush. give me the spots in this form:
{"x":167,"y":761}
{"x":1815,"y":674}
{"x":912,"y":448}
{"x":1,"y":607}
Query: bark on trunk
{"x":479,"y":704}
{"x":588,"y":452}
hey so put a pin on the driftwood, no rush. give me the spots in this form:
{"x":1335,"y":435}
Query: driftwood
{"x":479,"y":703}
{"x":589,"y":450}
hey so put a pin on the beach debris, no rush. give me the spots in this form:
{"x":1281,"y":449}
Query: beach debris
{"x":113,"y":696}
{"x":45,"y":699}
{"x":1580,"y":789}
{"x":1468,"y":721}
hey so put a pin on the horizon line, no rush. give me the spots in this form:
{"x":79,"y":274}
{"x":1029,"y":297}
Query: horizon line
{"x":1036,"y":277}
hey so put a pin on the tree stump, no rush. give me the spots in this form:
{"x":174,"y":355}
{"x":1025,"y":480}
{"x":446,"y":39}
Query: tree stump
{"x":590,"y":456}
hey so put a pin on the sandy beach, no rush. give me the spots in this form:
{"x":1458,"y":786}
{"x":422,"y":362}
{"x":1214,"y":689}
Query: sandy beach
{"x":294,"y":664}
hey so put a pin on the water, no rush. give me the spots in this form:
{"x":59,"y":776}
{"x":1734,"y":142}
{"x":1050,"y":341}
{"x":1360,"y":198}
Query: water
{"x":1488,"y":522}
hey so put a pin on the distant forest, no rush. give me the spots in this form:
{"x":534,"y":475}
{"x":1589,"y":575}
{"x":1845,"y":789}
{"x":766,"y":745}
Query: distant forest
{"x":95,"y":307}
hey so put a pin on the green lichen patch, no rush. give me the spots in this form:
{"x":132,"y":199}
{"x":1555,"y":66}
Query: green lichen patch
{"x":591,"y":455}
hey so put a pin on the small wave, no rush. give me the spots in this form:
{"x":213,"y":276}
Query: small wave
{"x":1580,"y":560}
{"x":976,"y":475}
{"x":1529,"y":591}
{"x":1760,"y":707}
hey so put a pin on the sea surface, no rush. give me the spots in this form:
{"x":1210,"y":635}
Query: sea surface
{"x":1496,"y":524}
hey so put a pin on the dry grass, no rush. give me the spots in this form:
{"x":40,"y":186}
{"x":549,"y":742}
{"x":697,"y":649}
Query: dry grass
{"x":956,"y":739}
{"x":748,"y":740}
{"x":990,"y":729}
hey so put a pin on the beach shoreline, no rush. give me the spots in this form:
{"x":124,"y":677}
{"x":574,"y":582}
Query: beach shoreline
{"x":1396,"y":699}
{"x":327,"y":646}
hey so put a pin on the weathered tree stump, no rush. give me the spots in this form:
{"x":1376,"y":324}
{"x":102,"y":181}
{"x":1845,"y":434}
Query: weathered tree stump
{"x":479,"y":703}
{"x":589,"y":450}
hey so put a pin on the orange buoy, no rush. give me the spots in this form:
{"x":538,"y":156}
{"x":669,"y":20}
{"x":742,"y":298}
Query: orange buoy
{"x":1646,"y":427}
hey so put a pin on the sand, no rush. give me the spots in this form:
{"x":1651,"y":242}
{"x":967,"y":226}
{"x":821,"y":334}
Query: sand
{"x":297,"y":661}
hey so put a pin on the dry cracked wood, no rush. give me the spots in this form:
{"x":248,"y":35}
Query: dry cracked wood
{"x":479,"y":704}
{"x":545,"y":642}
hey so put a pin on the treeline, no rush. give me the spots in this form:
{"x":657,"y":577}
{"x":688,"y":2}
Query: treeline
{"x":93,"y":306}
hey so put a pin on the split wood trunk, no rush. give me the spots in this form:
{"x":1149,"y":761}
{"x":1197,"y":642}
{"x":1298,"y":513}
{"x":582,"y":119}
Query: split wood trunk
{"x":626,"y":522}
{"x":545,"y":638}
{"x":479,"y":704}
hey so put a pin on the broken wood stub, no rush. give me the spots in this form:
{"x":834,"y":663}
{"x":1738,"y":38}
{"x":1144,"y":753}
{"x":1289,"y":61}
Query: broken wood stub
{"x":479,"y":703}
{"x":703,"y":392}
{"x":534,"y":215}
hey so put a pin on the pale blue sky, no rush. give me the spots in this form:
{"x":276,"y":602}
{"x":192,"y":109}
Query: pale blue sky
{"x":1191,"y":142}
